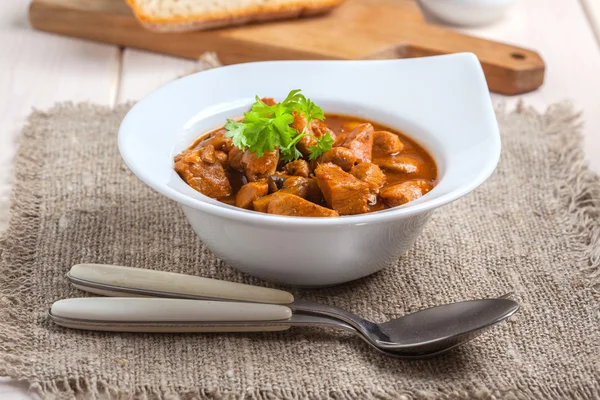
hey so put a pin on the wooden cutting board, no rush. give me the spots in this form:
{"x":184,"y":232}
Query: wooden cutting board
{"x":358,"y":29}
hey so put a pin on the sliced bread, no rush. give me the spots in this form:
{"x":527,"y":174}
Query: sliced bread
{"x":191,"y":15}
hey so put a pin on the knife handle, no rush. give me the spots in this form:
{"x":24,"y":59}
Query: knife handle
{"x":167,"y":315}
{"x":127,"y":281}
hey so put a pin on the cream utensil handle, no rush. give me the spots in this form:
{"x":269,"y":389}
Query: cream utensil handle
{"x":111,"y":279}
{"x":132,"y":309}
{"x":165,"y":315}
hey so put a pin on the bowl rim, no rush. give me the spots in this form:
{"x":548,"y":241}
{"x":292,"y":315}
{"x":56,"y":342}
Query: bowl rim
{"x":254,"y":217}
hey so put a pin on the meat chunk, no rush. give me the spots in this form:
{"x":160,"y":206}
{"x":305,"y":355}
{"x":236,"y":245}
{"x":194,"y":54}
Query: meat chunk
{"x":403,"y":164}
{"x":345,"y":193}
{"x":297,"y":167}
{"x":262,"y":204}
{"x":316,"y":128}
{"x":350,"y":126}
{"x":404,"y":192}
{"x":250,"y":192}
{"x":371,"y":174}
{"x":207,"y":154}
{"x":235,"y":158}
{"x":218,"y":140}
{"x":341,"y":156}
{"x":360,"y":141}
{"x":222,"y":157}
{"x":299,"y":122}
{"x":320,"y":129}
{"x":268,"y":101}
{"x":208,"y":178}
{"x":307,"y":188}
{"x":299,"y":125}
{"x":304,"y":144}
{"x":385,"y":142}
{"x":257,"y":168}
{"x":339,"y":139}
{"x":292,"y":205}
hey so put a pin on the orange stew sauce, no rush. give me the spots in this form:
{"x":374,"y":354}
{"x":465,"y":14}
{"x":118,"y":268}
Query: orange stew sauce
{"x":346,"y":183}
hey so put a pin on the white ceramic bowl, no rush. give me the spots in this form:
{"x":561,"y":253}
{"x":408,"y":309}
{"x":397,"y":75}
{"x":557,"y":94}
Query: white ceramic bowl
{"x":468,"y":12}
{"x":442,"y":102}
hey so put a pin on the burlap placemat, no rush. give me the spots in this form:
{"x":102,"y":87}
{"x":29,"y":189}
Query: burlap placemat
{"x":533,"y":228}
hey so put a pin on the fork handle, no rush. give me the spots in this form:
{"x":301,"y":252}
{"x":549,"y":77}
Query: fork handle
{"x":127,"y":281}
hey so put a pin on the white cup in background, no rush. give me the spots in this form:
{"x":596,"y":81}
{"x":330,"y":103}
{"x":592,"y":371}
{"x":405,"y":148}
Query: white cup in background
{"x":467,"y":12}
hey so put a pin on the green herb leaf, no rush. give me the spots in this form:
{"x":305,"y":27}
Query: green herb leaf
{"x":236,"y":131}
{"x":323,"y":144}
{"x":265,"y":127}
{"x":291,"y":154}
{"x":311,"y":110}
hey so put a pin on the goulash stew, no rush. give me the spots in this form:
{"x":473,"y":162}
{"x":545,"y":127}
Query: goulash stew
{"x":290,"y":158}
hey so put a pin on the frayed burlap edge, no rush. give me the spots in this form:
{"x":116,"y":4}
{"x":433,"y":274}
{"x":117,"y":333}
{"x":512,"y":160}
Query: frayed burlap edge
{"x":93,"y":389}
{"x":578,"y":194}
{"x":577,"y":186}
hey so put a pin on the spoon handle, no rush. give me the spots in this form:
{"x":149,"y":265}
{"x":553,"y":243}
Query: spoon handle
{"x":113,"y":280}
{"x":167,"y":315}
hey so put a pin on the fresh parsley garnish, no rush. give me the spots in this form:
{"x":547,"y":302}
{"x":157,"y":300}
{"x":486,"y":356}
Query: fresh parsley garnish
{"x":265,"y":127}
{"x":323,"y":144}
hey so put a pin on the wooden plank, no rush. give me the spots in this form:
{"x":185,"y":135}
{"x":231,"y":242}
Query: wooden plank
{"x":248,"y":43}
{"x":358,"y":29}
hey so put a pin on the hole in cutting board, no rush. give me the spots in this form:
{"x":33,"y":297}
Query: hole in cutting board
{"x":518,"y":56}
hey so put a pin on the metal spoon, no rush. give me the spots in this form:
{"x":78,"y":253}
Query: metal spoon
{"x":65,"y":319}
{"x":183,"y":315}
{"x":425,"y":331}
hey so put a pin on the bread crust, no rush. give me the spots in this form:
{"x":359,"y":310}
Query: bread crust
{"x":223,"y":19}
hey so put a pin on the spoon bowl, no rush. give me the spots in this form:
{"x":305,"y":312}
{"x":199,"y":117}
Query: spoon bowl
{"x":426,"y":331}
{"x":445,"y":326}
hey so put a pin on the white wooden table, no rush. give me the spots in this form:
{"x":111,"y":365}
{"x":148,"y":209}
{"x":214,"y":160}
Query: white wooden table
{"x":39,"y":69}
